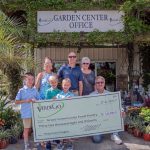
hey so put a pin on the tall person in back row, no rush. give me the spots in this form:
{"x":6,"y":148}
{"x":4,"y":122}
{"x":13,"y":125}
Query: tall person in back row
{"x":72,"y":72}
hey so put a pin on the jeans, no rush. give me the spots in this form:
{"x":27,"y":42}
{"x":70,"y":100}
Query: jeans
{"x":98,"y":138}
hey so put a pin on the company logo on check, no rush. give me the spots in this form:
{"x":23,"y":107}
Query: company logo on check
{"x":50,"y":109}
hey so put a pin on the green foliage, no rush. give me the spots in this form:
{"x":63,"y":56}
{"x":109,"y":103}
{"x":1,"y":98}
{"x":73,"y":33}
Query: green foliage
{"x":7,"y":114}
{"x":147,"y":129}
{"x":10,"y":117}
{"x":4,"y":134}
{"x":138,"y":123}
{"x":144,"y":59}
{"x":3,"y":102}
{"x":133,"y":12}
{"x":15,"y":131}
{"x":145,"y":114}
{"x":31,"y":7}
{"x":13,"y":53}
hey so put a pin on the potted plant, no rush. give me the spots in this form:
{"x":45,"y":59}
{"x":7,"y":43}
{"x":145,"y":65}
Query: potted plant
{"x":138,"y":127}
{"x":4,"y":136}
{"x":19,"y":126}
{"x":14,"y":132}
{"x":131,"y":125}
{"x":127,"y":122}
{"x":146,"y":134}
{"x":10,"y":117}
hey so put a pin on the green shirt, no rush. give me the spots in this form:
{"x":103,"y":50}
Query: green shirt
{"x":51,"y":93}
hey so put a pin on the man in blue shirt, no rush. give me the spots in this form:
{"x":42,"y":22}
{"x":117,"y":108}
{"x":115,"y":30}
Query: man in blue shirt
{"x":72,"y":72}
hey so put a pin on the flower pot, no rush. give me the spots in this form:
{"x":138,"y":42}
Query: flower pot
{"x":3,"y":144}
{"x":126,"y":127}
{"x":146,"y":137}
{"x":130,"y":130}
{"x":137,"y":133}
{"x":21,"y":135}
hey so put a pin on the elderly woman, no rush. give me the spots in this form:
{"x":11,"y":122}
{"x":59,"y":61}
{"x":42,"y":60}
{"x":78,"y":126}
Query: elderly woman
{"x":88,"y":76}
{"x":41,"y":82}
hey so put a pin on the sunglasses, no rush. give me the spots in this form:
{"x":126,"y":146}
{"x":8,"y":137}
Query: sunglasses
{"x":72,"y":56}
{"x":99,"y":82}
{"x":85,"y":63}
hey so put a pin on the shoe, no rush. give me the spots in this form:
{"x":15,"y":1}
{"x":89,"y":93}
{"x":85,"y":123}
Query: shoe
{"x":55,"y":142}
{"x":60,"y":147}
{"x":27,"y":147}
{"x":69,"y":146}
{"x":97,"y":139}
{"x":38,"y":146}
{"x":48,"y":145}
{"x":116,"y":139}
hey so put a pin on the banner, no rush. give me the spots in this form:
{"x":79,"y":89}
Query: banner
{"x":77,"y":117}
{"x":79,"y":21}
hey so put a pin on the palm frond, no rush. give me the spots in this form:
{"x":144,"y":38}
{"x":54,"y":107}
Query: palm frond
{"x":14,"y":55}
{"x":9,"y":25}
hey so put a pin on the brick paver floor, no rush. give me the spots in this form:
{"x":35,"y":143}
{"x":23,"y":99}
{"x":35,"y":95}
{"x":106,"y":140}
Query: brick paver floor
{"x":129,"y":143}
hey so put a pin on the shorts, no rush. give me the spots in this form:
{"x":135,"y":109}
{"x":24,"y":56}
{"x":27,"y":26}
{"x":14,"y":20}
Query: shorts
{"x":27,"y":122}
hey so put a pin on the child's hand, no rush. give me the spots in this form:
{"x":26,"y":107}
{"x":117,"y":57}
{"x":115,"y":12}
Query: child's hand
{"x":33,"y":100}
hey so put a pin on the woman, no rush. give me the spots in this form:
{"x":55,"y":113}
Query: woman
{"x":41,"y":82}
{"x":88,"y":76}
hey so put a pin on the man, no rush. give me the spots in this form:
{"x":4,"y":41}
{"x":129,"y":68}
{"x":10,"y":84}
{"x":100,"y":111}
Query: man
{"x":72,"y":72}
{"x":100,"y":89}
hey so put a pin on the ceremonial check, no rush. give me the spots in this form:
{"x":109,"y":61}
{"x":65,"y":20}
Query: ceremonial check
{"x":77,"y":117}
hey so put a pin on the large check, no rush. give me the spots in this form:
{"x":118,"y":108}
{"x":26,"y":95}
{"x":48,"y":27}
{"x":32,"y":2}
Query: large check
{"x":77,"y":117}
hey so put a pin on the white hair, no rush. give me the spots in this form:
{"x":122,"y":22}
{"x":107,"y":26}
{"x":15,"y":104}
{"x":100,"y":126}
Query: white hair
{"x":85,"y":59}
{"x":53,"y":78}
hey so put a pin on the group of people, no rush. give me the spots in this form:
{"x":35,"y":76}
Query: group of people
{"x":75,"y":81}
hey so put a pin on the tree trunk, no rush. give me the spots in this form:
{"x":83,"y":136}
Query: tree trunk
{"x":130,"y":50}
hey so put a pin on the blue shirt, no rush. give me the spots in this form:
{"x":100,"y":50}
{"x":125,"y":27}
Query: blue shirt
{"x":96,"y":92}
{"x":88,"y":83}
{"x":44,"y":85}
{"x":74,"y":74}
{"x":63,"y":95}
{"x":26,"y":93}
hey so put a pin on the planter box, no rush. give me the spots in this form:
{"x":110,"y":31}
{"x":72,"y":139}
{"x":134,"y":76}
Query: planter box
{"x":146,"y":137}
{"x":3,"y":144}
{"x":137,"y":133}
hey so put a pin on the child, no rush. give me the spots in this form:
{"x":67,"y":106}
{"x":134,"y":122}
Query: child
{"x":53,"y":91}
{"x":65,"y":93}
{"x":25,"y":96}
